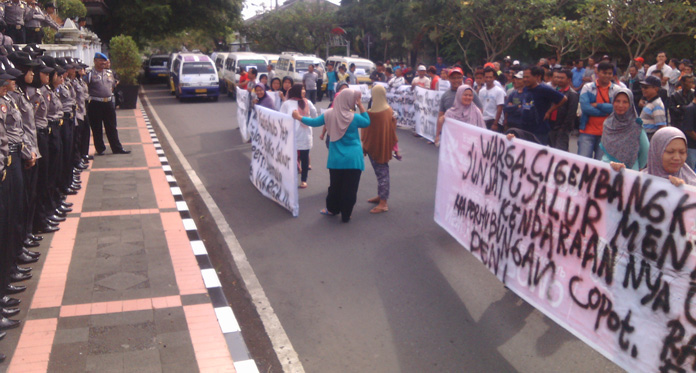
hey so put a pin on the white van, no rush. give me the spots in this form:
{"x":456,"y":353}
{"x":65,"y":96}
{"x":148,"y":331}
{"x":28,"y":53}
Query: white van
{"x":363,"y":66}
{"x":219,"y":59}
{"x":236,"y":63}
{"x":195,"y":75}
{"x":272,"y":59}
{"x":295,"y":65}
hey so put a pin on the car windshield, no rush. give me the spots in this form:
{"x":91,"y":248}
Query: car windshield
{"x":198,"y":68}
{"x":260,"y":65}
{"x":159,"y":61}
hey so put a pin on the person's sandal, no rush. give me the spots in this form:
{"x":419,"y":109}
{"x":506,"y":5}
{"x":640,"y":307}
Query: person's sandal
{"x":326,"y":212}
{"x":303,"y":185}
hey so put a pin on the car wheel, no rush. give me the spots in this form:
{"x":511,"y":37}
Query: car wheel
{"x":215,"y":98}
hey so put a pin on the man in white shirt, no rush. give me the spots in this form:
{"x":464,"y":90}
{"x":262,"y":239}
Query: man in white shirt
{"x":662,"y":66}
{"x":493,"y":99}
{"x":421,"y":80}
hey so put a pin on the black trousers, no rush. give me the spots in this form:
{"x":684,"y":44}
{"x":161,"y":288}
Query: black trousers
{"x":85,"y":133}
{"x":18,"y":35}
{"x":304,"y":163}
{"x":66,"y":135}
{"x":30,"y":181}
{"x":55,"y":150}
{"x":14,"y":182}
{"x":77,"y":141}
{"x":34,"y":35}
{"x":43,"y":193}
{"x":343,"y":192}
{"x":103,"y":113}
{"x":5,"y":257}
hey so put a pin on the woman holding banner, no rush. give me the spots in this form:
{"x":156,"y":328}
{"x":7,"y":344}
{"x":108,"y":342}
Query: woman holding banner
{"x":345,"y":161}
{"x":623,"y":139}
{"x":379,"y":139}
{"x":303,"y":133}
{"x":667,"y":157}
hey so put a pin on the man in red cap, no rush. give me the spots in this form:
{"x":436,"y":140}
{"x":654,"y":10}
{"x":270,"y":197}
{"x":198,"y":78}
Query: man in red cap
{"x":639,"y":62}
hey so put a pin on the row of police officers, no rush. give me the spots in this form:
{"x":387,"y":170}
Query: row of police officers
{"x":45,"y":104}
{"x":24,"y":21}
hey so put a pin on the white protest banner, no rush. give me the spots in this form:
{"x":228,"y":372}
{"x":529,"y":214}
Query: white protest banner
{"x":274,"y":157}
{"x":243,"y":106}
{"x":364,"y":89}
{"x":383,"y":84}
{"x":607,"y":255}
{"x":426,"y":106}
{"x":401,"y":101}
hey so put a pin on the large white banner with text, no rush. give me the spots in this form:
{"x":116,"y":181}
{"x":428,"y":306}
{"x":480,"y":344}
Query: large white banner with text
{"x":274,"y":157}
{"x":607,"y":255}
{"x":243,"y":107}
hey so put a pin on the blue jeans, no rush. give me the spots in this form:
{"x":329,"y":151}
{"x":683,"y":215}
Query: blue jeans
{"x":588,"y":146}
{"x":691,"y":158}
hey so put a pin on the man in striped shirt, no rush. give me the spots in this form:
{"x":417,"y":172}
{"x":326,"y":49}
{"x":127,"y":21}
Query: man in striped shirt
{"x":653,"y":115}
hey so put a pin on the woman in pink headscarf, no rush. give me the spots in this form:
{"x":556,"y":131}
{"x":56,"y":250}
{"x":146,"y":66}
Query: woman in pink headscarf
{"x":345,"y":161}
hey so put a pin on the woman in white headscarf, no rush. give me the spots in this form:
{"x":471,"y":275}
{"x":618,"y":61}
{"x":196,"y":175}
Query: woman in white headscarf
{"x":345,"y":161}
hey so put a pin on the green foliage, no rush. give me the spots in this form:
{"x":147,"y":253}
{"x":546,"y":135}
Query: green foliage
{"x":71,"y":9}
{"x":640,"y":24}
{"x":49,"y":35}
{"x":303,"y":28}
{"x":559,"y":34}
{"x":147,"y":20}
{"x":125,"y":59}
{"x":191,"y":39}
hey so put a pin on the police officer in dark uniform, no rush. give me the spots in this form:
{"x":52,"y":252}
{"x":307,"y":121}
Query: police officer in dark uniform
{"x":101,"y":83}
{"x":16,"y":13}
{"x":55,"y":142}
{"x":67,"y":95}
{"x":4,"y":200}
{"x":39,"y":94}
{"x":25,"y":63}
{"x":82,"y":134}
{"x":35,"y":20}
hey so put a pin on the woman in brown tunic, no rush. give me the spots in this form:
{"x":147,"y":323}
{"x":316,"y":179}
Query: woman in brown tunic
{"x":378,"y":142}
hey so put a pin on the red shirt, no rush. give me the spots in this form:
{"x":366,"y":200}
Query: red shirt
{"x":595,"y":125}
{"x":433,"y":82}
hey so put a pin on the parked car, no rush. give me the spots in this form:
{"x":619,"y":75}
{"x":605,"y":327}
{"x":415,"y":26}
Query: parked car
{"x":195,"y":75}
{"x":156,"y":67}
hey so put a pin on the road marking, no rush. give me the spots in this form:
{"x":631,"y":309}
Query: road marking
{"x":286,"y":353}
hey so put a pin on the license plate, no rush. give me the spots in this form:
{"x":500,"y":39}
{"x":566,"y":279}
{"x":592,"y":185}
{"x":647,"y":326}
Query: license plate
{"x":201,"y":90}
{"x":161,"y":74}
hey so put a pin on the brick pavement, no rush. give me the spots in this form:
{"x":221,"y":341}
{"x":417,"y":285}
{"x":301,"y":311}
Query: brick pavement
{"x":126,"y":284}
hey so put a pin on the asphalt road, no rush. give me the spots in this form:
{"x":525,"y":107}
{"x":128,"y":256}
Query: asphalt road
{"x":385,"y":293}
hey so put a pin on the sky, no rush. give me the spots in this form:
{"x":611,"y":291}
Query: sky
{"x":252,"y":6}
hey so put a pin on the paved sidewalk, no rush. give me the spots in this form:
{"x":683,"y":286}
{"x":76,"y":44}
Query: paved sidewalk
{"x":126,"y":284}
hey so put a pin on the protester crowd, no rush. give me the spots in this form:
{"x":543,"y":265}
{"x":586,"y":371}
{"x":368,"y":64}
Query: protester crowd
{"x":644,"y":119}
{"x":48,"y":107}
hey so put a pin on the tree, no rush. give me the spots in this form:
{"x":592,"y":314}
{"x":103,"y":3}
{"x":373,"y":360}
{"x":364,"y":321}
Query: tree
{"x":71,"y":9}
{"x":496,"y":24}
{"x":640,"y":24}
{"x":559,"y":34}
{"x":156,"y":19}
{"x":303,"y":28}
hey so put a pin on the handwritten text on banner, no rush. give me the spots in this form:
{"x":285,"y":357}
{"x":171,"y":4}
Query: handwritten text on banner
{"x":607,"y":255}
